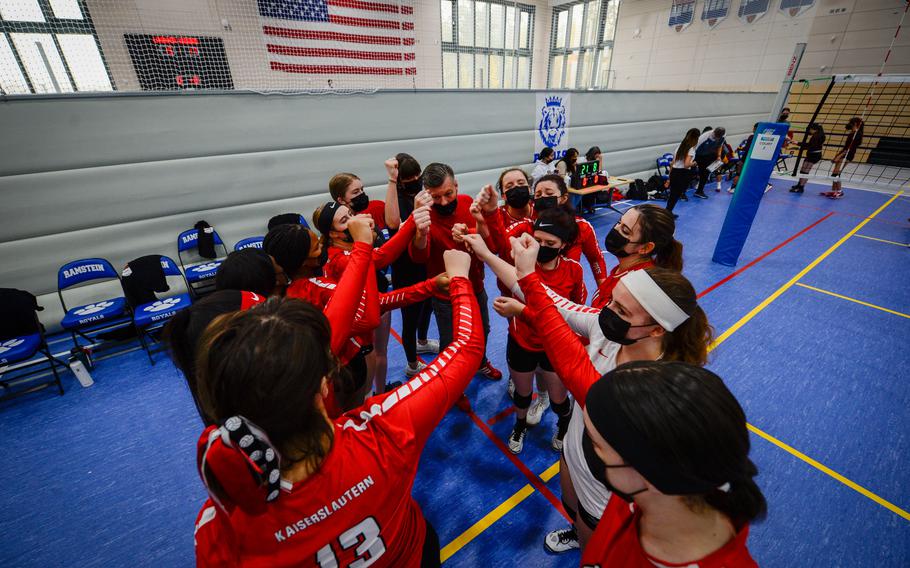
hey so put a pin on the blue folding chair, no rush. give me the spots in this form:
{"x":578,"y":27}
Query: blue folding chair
{"x":199,"y":271}
{"x":150,"y":317}
{"x":24,"y":353}
{"x":104,"y":313}
{"x":249,"y":242}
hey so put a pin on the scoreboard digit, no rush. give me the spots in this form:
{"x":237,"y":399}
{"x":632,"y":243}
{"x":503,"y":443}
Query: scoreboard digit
{"x":171,"y":63}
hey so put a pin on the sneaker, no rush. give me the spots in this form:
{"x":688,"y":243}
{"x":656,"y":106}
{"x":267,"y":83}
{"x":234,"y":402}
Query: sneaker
{"x":410,"y":371}
{"x":794,"y":187}
{"x":535,"y":413}
{"x":511,"y":388}
{"x":836,"y":195}
{"x":517,"y":439}
{"x":797,"y":189}
{"x":732,"y":190}
{"x":431,"y":346}
{"x":684,"y":197}
{"x":700,"y":195}
{"x":768,"y":188}
{"x":826,"y":193}
{"x":490,"y":372}
{"x":675,"y":216}
{"x":557,"y":442}
{"x":562,"y":540}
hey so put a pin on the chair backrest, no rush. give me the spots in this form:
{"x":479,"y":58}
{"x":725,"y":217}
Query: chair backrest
{"x":188,"y":248}
{"x":664,"y":162}
{"x":249,"y":242}
{"x":84,"y":270}
{"x":170,"y":267}
{"x":188,"y":240}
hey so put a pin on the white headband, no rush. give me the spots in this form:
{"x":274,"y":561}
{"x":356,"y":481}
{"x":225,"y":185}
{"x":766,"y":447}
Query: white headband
{"x":654,"y":300}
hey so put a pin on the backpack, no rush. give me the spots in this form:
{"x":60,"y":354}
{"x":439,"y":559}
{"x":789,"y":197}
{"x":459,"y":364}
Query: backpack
{"x":637,"y":190}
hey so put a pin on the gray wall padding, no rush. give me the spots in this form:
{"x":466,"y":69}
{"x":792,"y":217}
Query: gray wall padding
{"x":120,"y":176}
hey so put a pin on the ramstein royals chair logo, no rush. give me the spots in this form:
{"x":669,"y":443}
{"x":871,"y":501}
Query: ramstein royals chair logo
{"x":552,"y":125}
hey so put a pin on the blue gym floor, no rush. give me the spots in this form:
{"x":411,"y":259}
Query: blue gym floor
{"x":105,"y":476}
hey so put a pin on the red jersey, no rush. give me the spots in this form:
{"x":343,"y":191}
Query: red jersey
{"x":356,"y":509}
{"x":441,"y":239}
{"x":382,"y":256}
{"x":567,"y":280}
{"x":587,"y":243}
{"x":376,"y":210}
{"x":604,"y":292}
{"x":616,"y":543}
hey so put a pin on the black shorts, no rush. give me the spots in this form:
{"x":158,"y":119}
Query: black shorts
{"x":814,"y":157}
{"x":524,"y":361}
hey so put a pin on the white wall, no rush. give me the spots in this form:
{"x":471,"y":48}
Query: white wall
{"x":734,"y":55}
{"x":120,"y":176}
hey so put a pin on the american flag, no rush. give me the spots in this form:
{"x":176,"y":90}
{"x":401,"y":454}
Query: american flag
{"x":339,"y":37}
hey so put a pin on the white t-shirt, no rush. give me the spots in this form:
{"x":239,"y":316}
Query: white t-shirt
{"x":681,"y":164}
{"x":540,"y":169}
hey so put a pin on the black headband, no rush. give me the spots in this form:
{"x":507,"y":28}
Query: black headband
{"x":326,"y":216}
{"x":611,"y":422}
{"x":552,"y":228}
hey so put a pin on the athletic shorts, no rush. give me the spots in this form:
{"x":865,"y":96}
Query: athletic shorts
{"x":814,"y":157}
{"x":524,"y":361}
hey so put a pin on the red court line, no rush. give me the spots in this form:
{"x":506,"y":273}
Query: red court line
{"x":755,"y":261}
{"x":842,"y":213}
{"x":502,"y":415}
{"x":465,"y":406}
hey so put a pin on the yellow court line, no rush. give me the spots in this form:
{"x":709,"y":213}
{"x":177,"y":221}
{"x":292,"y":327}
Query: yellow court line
{"x":882,"y":240}
{"x":755,"y":311}
{"x":825,"y":469}
{"x":523,"y":493}
{"x":854,"y":300}
{"x":499,"y":512}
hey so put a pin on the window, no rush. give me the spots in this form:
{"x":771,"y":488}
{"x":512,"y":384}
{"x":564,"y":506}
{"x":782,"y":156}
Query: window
{"x":486,"y":44}
{"x":581,"y":44}
{"x":49,"y":47}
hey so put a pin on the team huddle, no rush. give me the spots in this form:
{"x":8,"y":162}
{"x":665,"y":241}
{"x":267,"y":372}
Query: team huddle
{"x":309,"y":451}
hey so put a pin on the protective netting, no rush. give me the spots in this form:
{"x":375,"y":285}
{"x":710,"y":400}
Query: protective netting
{"x":311,"y":46}
{"x":882,"y":103}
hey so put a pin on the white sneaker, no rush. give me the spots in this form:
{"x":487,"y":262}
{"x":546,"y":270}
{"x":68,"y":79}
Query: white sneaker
{"x":535,"y":413}
{"x":517,"y":440}
{"x":557,"y":442}
{"x":562,"y":540}
{"x":431,"y":346}
{"x":410,"y":371}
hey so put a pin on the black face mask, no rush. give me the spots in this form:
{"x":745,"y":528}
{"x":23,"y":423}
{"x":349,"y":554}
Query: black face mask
{"x":615,"y":328}
{"x":447,"y":209}
{"x":348,"y":236}
{"x":615,"y":243}
{"x":360,"y":203}
{"x":546,"y":254}
{"x":518,"y":197}
{"x":411,"y":187}
{"x":544,"y":203}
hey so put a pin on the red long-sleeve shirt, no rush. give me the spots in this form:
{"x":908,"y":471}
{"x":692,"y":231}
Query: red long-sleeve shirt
{"x":441,"y":239}
{"x":567,"y":280}
{"x":616,"y":543}
{"x":358,"y":504}
{"x":562,"y":346}
{"x":587,"y":243}
{"x":382,"y":256}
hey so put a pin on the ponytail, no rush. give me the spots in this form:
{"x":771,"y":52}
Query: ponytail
{"x":658,"y":226}
{"x":689,"y":341}
{"x":743,"y":502}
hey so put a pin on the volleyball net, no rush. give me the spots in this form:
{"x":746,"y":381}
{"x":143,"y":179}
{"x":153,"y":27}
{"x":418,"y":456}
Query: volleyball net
{"x":882,"y":102}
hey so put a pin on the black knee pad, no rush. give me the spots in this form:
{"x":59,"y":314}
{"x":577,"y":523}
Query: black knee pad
{"x":522,"y":402}
{"x":563,"y":408}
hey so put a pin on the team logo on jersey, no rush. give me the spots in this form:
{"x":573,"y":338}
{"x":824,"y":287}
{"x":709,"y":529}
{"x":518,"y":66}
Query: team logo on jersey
{"x":552,"y":126}
{"x":205,"y":267}
{"x":9,"y":344}
{"x":160,"y":305}
{"x":93,"y":308}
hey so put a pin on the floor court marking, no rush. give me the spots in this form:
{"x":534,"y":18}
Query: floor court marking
{"x":854,"y":300}
{"x":502,"y":415}
{"x":905,"y":245}
{"x":838,"y":213}
{"x":499,"y":512}
{"x":786,"y":447}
